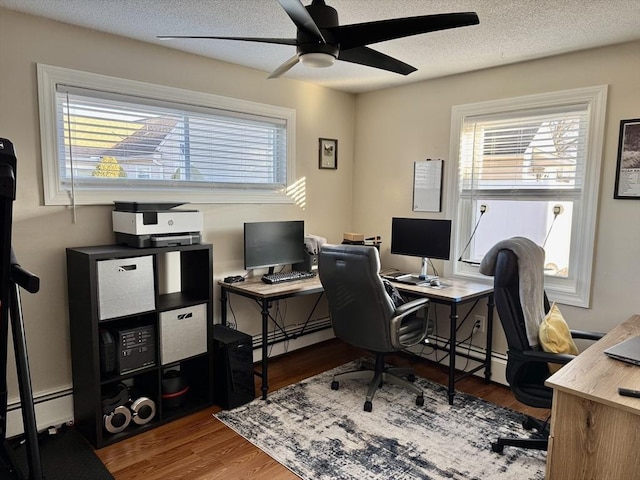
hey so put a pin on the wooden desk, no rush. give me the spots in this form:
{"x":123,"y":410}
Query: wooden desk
{"x":595,"y":432}
{"x":454,"y":293}
{"x":265,"y":293}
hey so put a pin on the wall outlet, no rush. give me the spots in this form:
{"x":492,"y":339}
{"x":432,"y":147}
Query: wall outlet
{"x":479,"y":325}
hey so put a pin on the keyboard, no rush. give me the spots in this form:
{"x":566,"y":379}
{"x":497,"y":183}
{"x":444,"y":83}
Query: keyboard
{"x":286,"y":276}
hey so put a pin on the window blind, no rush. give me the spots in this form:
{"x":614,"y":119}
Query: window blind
{"x":540,"y":152}
{"x":109,"y":139}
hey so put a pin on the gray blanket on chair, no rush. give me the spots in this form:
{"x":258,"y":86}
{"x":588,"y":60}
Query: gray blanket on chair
{"x":531,"y":276}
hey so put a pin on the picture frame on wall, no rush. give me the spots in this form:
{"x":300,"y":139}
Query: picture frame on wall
{"x":628,"y":168}
{"x":328,"y":153}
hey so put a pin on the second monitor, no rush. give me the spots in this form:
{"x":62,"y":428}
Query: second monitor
{"x":272,"y":244}
{"x":421,"y":237}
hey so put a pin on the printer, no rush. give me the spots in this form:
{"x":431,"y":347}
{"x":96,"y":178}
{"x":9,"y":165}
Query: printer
{"x":143,"y":225}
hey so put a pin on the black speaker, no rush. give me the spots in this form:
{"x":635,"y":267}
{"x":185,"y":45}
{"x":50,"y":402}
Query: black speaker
{"x":233,"y":367}
{"x":107,"y":352}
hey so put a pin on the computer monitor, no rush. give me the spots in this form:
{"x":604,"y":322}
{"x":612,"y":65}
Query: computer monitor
{"x":421,"y":237}
{"x":271,"y":244}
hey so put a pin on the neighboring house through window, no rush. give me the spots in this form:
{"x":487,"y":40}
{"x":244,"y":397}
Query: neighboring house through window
{"x":106,"y":139}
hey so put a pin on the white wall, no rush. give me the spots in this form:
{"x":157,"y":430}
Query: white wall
{"x":398,"y":126}
{"x":41,"y":233}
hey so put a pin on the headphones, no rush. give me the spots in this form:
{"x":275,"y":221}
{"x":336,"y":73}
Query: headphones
{"x":143,"y":410}
{"x":118,"y":410}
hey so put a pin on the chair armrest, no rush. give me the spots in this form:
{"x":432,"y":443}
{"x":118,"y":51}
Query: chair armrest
{"x":410,"y":307}
{"x":582,"y":334}
{"x":546,"y":357}
{"x":396,"y":325}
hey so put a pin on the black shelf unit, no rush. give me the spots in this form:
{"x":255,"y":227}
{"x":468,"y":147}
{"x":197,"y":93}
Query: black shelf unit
{"x":90,"y":383}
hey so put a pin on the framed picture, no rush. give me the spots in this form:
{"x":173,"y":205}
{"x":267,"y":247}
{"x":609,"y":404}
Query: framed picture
{"x":328,"y":153}
{"x":628,"y":171}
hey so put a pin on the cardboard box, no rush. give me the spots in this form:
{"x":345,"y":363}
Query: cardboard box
{"x":353,"y":237}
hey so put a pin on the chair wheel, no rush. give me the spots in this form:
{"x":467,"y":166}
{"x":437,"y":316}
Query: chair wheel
{"x":420,"y":400}
{"x":411,"y":378}
{"x":528,"y":424}
{"x":497,"y":447}
{"x":335,"y":385}
{"x":368,"y":406}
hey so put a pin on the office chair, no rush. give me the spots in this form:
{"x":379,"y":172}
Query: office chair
{"x":527,"y":367}
{"x":363,"y":314}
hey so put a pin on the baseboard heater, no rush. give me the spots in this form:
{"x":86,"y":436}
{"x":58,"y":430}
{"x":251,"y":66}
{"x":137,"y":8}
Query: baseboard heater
{"x":291,"y":333}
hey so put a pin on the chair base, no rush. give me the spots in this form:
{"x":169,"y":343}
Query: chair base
{"x":379,"y":374}
{"x":532,"y":443}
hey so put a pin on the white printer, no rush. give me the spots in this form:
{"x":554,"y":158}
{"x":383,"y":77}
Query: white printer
{"x":143,"y":225}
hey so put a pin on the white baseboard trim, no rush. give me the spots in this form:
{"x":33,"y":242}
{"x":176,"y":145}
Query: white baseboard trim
{"x":56,"y":407}
{"x":53,"y":408}
{"x":498,"y":360}
{"x":294,"y":344}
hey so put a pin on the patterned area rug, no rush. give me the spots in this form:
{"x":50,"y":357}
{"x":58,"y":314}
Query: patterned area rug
{"x":319,"y":433}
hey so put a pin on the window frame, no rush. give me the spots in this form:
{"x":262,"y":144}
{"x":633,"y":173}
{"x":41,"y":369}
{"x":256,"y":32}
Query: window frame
{"x":576,"y":289}
{"x":50,"y":76}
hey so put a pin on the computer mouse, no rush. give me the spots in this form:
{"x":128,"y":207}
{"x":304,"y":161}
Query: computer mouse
{"x":435,"y":282}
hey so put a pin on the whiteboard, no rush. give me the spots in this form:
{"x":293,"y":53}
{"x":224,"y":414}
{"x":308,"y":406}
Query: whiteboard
{"x":427,"y":186}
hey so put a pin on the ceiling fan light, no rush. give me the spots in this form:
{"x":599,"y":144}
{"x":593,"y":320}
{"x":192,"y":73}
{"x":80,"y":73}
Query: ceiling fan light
{"x":317,"y":60}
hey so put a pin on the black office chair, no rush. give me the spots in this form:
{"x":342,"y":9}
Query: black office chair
{"x":527,"y":368}
{"x":363,"y":314}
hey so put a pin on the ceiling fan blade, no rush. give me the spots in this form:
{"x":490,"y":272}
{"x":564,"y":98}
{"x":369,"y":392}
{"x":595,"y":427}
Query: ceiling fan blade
{"x":301,"y":17}
{"x":279,"y":41}
{"x":285,"y":67}
{"x":372,"y":58}
{"x":360,"y":34}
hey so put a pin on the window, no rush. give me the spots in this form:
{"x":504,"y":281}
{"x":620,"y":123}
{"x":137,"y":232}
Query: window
{"x":107,"y":139}
{"x":530,"y":167}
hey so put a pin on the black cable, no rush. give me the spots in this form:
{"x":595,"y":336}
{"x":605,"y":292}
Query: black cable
{"x":304,"y":325}
{"x":482,"y":211}
{"x":448,"y":343}
{"x":555,"y":216}
{"x":234,"y":324}
{"x":433,"y":267}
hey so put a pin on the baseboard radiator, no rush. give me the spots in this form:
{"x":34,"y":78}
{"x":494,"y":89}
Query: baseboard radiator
{"x":56,"y":408}
{"x":53,"y":408}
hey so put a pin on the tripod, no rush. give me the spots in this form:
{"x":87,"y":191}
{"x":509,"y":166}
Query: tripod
{"x":12,"y":277}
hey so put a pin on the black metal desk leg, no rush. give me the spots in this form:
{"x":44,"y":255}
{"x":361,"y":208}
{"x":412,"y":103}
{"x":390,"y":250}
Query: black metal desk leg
{"x":265,"y":342}
{"x":453,"y":319}
{"x":223,"y":306}
{"x":489,"y":340}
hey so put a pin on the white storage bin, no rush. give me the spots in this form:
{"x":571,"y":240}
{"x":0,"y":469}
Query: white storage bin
{"x":183,"y":333}
{"x":125,"y":286}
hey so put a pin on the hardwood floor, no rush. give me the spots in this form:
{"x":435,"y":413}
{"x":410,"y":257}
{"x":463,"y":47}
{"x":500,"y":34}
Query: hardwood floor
{"x":200,"y":447}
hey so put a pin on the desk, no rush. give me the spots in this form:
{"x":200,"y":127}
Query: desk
{"x":265,"y":293}
{"x":595,"y":432}
{"x":454,"y":293}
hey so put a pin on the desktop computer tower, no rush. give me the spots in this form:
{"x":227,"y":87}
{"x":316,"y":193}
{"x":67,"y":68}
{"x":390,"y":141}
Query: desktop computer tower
{"x":232,"y":367}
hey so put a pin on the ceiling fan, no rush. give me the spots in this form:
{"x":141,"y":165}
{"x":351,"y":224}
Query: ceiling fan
{"x":321,"y":40}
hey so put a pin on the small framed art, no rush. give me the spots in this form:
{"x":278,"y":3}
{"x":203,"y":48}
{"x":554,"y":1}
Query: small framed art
{"x":328,"y":153}
{"x":628,"y":170}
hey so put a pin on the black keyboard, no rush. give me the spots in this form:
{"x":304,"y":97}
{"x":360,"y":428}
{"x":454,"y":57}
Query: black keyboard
{"x":286,"y":276}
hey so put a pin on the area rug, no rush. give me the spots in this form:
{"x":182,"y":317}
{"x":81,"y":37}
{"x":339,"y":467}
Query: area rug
{"x":319,"y":433}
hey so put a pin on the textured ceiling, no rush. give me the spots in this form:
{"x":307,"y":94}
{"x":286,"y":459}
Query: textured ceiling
{"x":510,"y":31}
